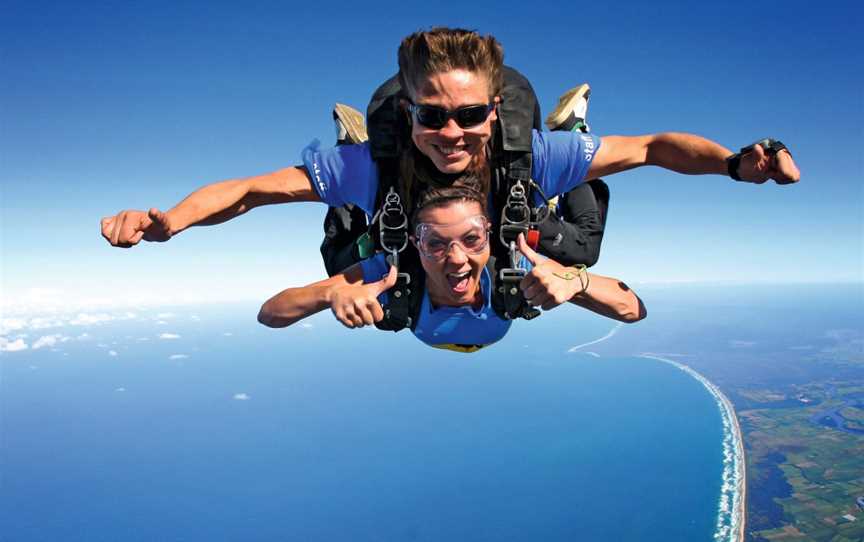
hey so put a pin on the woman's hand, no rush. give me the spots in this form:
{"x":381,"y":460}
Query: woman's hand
{"x":549,"y":283}
{"x":356,"y":305}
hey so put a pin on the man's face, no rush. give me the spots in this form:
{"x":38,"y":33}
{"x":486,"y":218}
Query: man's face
{"x":453,"y":148}
{"x":454,"y":280}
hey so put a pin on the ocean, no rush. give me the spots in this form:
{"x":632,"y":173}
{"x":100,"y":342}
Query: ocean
{"x":199,"y":424}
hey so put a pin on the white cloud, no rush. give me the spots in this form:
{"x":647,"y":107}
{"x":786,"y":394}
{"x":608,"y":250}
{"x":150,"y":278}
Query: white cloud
{"x":120,"y":390}
{"x":241,"y":397}
{"x":11,"y":324}
{"x":228,"y":334}
{"x":165,"y":315}
{"x":45,"y":323}
{"x":86,"y":319}
{"x":178,"y":356}
{"x":169,"y":336}
{"x":83,"y":337}
{"x":14,"y":346}
{"x":49,"y":340}
{"x":306,"y":325}
{"x":112,"y":353}
{"x":741,"y":344}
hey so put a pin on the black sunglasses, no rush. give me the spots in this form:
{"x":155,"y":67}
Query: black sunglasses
{"x":436,"y":117}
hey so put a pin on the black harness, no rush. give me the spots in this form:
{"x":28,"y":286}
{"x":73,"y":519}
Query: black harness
{"x":512,"y":190}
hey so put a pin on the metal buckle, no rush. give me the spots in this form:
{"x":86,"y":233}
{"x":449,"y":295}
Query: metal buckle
{"x":393,"y":225}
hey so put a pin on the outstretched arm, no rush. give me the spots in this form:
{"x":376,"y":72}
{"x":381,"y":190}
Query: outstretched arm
{"x":689,"y":154}
{"x":212,"y":204}
{"x":550,"y":284}
{"x":354,"y":303}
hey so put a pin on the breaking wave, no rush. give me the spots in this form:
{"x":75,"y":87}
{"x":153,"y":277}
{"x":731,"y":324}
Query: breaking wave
{"x":609,"y":335}
{"x":730,"y":509}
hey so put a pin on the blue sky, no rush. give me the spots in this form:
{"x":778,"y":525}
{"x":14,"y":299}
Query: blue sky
{"x":107,"y":106}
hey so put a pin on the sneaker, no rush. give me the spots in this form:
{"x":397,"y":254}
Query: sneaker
{"x":571,"y":111}
{"x":350,"y":125}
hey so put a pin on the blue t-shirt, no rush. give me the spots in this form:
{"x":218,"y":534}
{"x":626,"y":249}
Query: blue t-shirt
{"x":463,"y":329}
{"x":347,"y":173}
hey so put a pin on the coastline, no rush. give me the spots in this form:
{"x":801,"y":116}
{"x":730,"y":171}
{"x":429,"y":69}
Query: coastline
{"x":732,"y":515}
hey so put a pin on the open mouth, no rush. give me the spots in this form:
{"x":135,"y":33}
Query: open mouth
{"x":458,"y":282}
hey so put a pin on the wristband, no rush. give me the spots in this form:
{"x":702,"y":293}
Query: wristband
{"x":732,"y":163}
{"x":769,"y":145}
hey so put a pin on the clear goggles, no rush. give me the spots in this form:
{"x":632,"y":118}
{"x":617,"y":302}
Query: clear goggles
{"x":435,"y":240}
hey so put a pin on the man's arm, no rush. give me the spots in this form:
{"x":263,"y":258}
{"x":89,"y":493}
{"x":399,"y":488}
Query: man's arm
{"x":354,"y":303}
{"x":689,"y":154}
{"x":211,"y":204}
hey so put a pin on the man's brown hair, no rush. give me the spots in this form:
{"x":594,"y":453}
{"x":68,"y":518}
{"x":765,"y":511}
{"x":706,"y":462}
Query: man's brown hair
{"x":444,"y":49}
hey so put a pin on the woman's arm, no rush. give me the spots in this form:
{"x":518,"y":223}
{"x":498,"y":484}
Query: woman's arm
{"x":550,"y":284}
{"x":611,"y":298}
{"x":354,"y":303}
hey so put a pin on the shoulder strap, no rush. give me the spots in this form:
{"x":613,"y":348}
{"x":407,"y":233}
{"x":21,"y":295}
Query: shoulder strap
{"x":406,"y":297}
{"x":512,"y":189}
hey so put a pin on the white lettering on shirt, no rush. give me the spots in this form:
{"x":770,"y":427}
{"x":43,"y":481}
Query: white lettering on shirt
{"x":316,"y":171}
{"x":588,"y":146}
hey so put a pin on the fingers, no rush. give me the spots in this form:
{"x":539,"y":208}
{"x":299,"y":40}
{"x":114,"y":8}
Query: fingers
{"x":786,"y":170}
{"x":386,"y":283}
{"x":125,"y":229}
{"x":360,"y":313}
{"x":377,"y":312}
{"x":348,"y":317}
{"x":107,"y":224}
{"x":527,"y":251}
{"x":528,"y":281}
{"x":754,"y":166}
{"x":159,"y":218}
{"x":119,"y":224}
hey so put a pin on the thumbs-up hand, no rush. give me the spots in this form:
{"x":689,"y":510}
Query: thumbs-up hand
{"x":549,"y":283}
{"x":356,"y":305}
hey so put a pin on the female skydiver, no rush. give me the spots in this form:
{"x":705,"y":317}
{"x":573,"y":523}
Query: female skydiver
{"x":451,"y":232}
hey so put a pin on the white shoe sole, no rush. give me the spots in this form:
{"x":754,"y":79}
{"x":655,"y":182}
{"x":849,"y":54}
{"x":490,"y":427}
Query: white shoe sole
{"x":566,"y":104}
{"x":353,"y":121}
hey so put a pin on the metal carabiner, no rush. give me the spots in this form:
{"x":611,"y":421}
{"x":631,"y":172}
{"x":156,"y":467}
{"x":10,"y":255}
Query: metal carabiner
{"x":393,"y":224}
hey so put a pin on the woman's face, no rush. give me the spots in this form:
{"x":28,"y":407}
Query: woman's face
{"x":452,"y":148}
{"x":454,"y":279}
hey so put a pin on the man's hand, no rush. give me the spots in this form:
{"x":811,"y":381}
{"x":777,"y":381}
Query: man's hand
{"x":356,"y":305}
{"x":127,"y":228}
{"x":549,"y":283}
{"x":757,"y":166}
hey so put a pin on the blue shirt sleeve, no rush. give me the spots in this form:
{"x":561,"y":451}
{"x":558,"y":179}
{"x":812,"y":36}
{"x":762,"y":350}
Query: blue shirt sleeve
{"x":343,"y":174}
{"x":561,"y":160}
{"x":374,"y":269}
